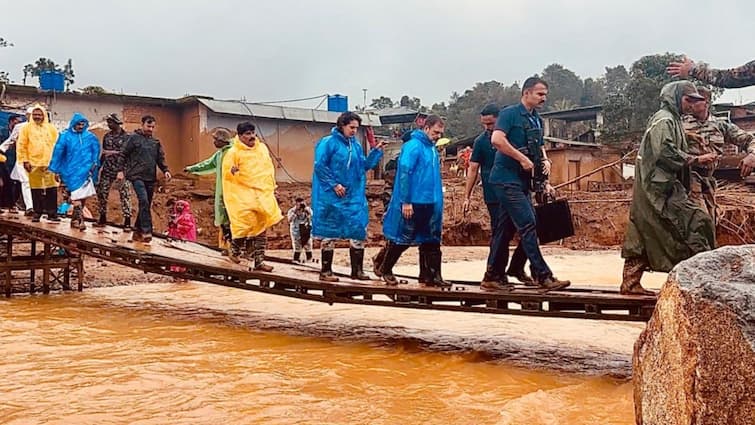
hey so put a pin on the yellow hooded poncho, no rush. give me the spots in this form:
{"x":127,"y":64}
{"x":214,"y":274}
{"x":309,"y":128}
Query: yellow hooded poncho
{"x":35,"y":145}
{"x":249,"y":195}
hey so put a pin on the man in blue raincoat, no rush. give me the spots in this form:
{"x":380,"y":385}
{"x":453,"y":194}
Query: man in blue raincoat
{"x":339,"y":202}
{"x":415,"y":214}
{"x":76,"y":160}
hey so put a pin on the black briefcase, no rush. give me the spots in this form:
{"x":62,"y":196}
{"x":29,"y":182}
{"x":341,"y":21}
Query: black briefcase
{"x":554,"y":221}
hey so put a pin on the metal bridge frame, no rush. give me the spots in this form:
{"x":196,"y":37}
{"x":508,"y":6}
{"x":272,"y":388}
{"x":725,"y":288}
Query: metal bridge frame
{"x":583,"y":303}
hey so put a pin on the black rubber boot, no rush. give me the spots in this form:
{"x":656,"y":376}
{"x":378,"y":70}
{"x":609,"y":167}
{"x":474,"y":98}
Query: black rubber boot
{"x":326,"y":272}
{"x":434,"y":261}
{"x":101,"y":222}
{"x":392,"y":254}
{"x":309,"y":256}
{"x":357,"y":264}
{"x":425,"y":274}
{"x":377,"y":262}
{"x":297,"y":257}
{"x":126,"y":222}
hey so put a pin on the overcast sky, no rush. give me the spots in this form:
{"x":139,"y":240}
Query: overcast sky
{"x":283,"y":49}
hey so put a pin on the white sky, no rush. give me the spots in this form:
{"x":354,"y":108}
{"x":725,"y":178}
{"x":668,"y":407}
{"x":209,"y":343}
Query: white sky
{"x":287,"y":49}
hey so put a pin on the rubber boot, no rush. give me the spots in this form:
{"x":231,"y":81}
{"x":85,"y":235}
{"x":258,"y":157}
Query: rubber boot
{"x":77,"y":221}
{"x":631,"y":277}
{"x":434,"y":261}
{"x":309,"y":256}
{"x":392,"y":254}
{"x":425,"y":274}
{"x":297,"y":257}
{"x":127,"y":222}
{"x":101,"y":222}
{"x":357,"y":264}
{"x":326,"y":272}
{"x":234,"y":253}
{"x":377,"y":262}
{"x":259,"y":243}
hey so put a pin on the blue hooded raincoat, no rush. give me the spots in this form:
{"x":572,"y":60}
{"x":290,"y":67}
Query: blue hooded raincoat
{"x":339,"y":160}
{"x":76,"y":157}
{"x":418,"y":183}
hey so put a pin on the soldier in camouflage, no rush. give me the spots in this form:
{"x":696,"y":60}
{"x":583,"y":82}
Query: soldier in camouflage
{"x":707,"y":135}
{"x":741,"y":76}
{"x":112,"y":171}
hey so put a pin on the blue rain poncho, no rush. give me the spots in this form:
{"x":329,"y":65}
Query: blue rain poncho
{"x":339,"y":160}
{"x":76,"y":157}
{"x":418,"y":183}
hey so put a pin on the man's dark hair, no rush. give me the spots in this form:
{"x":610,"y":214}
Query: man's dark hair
{"x":345,"y":118}
{"x":490,"y":109}
{"x":299,"y":200}
{"x":245,"y":126}
{"x":532,"y":82}
{"x":148,"y":119}
{"x":431,"y":120}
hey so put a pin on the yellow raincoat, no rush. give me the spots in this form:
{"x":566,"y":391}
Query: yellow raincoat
{"x":249,"y":195}
{"x":35,"y":145}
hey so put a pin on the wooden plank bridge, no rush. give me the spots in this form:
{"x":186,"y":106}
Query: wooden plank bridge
{"x":63,"y":248}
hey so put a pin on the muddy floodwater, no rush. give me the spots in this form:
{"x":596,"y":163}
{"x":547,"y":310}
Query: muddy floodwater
{"x":199,"y":354}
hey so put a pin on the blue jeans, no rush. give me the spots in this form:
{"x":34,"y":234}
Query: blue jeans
{"x":144,"y":191}
{"x":518,"y":260}
{"x":516,"y":213}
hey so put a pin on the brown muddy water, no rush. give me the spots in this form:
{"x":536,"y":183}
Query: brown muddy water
{"x":199,"y":354}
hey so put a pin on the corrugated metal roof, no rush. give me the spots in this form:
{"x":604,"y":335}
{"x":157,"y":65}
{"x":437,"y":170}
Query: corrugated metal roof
{"x":232,"y":107}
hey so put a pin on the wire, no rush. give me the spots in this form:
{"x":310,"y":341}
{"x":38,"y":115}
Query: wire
{"x":324,"y":96}
{"x":262,"y":136}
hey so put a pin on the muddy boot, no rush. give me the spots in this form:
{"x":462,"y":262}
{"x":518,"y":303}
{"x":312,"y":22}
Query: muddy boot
{"x":434,"y":261}
{"x":492,"y":282}
{"x":356,"y":256}
{"x":326,"y":272}
{"x":234,"y":253}
{"x":377,"y":262}
{"x":632,"y":275}
{"x":101,"y":222}
{"x":551,"y":283}
{"x":297,"y":257}
{"x":77,"y":222}
{"x":259,"y":243}
{"x":523,"y":277}
{"x":392,"y":254}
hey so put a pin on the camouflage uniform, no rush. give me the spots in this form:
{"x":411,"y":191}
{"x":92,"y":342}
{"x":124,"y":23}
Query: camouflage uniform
{"x":707,"y":137}
{"x":111,"y":166}
{"x":741,"y":76}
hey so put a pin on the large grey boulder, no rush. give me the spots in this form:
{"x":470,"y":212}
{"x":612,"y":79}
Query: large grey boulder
{"x":695,"y":361}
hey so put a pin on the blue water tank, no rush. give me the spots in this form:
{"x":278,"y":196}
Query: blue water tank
{"x":338,"y":103}
{"x":52,"y":80}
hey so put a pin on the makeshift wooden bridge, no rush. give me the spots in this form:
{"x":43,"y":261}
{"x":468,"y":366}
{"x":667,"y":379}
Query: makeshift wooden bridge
{"x":63,"y":249}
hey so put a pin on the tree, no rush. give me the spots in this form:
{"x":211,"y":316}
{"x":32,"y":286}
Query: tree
{"x":563,"y":84}
{"x":634,"y":96}
{"x":93,"y":90}
{"x":593,"y":92}
{"x":45,"y":64}
{"x":562,"y":105}
{"x":382,"y":102}
{"x":4,"y":74}
{"x":463,"y":110}
{"x":410,"y":102}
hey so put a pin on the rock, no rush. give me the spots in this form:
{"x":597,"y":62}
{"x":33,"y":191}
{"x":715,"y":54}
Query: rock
{"x":695,"y":361}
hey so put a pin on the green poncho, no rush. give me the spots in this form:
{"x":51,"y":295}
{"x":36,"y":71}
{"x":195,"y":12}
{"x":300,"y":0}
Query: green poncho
{"x":664,"y":225}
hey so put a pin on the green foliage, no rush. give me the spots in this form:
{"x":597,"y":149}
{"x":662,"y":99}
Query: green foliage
{"x":634,"y":96}
{"x":410,"y":102}
{"x":46,"y":64}
{"x":4,"y":78}
{"x":382,"y":102}
{"x":93,"y":90}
